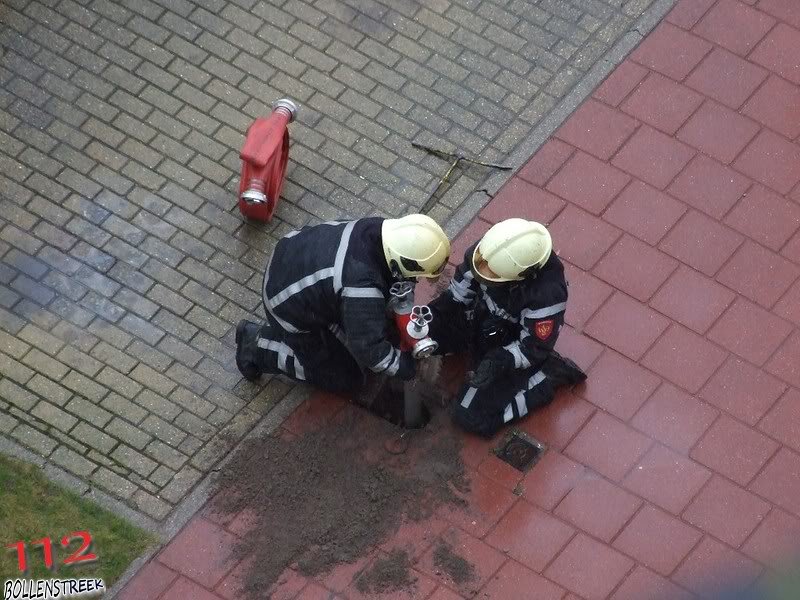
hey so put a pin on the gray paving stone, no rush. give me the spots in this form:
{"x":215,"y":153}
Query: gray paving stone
{"x":113,"y":483}
{"x":7,"y":423}
{"x":10,"y":322}
{"x":97,"y":281}
{"x":20,"y":239}
{"x":102,"y":306}
{"x":130,"y":434}
{"x":40,"y":339}
{"x":154,"y":403}
{"x":136,"y":303}
{"x":165,"y":297}
{"x":143,"y":484}
{"x":71,"y":312}
{"x":12,"y":346}
{"x":80,"y":361}
{"x":16,"y":395}
{"x":118,"y":382}
{"x":73,"y":462}
{"x":180,"y":484}
{"x":67,"y":440}
{"x":35,"y":313}
{"x":194,"y":425}
{"x":188,"y":378}
{"x":88,"y":411}
{"x":180,"y":351}
{"x":34,"y":439}
{"x":54,"y":416}
{"x":124,"y":408}
{"x":149,"y":355}
{"x":75,"y":337}
{"x":151,"y":505}
{"x":129,"y":276}
{"x":141,"y":328}
{"x":161,"y":476}
{"x":192,"y":402}
{"x":165,"y":454}
{"x":162,"y":430}
{"x":92,"y":256}
{"x":130,"y":458}
{"x":94,"y":437}
{"x":49,"y":389}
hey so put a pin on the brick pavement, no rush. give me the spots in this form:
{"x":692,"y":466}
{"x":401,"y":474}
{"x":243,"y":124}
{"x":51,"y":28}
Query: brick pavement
{"x":123,"y":261}
{"x":674,"y":196}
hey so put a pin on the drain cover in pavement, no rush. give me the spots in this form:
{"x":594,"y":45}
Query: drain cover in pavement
{"x":521,"y":451}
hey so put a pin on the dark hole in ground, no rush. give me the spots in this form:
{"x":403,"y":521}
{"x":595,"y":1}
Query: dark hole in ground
{"x":330,"y":497}
{"x":520,"y":451}
{"x":404,"y":404}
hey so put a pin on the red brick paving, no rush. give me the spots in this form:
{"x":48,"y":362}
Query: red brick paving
{"x":645,"y":212}
{"x":662,"y":103}
{"x":598,"y":507}
{"x":674,"y":198}
{"x":619,"y":385}
{"x":727,"y":78}
{"x":530,"y":536}
{"x":742,"y":390}
{"x":674,"y":418}
{"x":709,"y":186}
{"x":658,"y":540}
{"x":692,"y":299}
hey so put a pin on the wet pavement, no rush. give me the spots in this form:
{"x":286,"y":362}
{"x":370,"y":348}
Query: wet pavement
{"x":672,"y":194}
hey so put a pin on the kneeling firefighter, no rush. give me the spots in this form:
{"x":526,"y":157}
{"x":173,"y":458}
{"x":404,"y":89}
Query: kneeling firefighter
{"x":325,"y":294}
{"x":506,"y":303}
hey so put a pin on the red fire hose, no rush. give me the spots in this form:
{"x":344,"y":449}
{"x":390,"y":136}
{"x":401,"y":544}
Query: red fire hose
{"x":265,"y":155}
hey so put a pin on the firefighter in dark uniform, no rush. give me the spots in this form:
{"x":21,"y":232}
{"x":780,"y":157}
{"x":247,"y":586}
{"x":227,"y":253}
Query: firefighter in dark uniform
{"x":506,"y":303}
{"x":325,"y":293}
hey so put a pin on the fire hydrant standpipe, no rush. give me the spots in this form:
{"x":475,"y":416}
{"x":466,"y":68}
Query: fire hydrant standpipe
{"x":413,"y":326}
{"x":265,"y":155}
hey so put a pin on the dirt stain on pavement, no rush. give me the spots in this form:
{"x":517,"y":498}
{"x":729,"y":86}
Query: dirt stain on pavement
{"x":387,"y":574}
{"x":460,"y":570}
{"x":330,"y":496}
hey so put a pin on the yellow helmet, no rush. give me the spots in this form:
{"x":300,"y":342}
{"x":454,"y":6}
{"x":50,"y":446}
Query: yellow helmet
{"x":415,"y":246}
{"x":511,"y":248}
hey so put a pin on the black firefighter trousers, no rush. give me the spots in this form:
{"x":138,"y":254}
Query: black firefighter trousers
{"x":510,"y":397}
{"x":318,"y":357}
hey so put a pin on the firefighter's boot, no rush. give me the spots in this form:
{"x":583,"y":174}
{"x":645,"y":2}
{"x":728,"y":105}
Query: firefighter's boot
{"x":247,"y":350}
{"x":562,"y":371}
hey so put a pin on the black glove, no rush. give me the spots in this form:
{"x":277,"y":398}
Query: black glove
{"x":408,"y":366}
{"x":494,"y":363}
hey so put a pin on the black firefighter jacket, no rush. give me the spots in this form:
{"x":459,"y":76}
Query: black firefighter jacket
{"x":334,"y":276}
{"x":531,"y":310}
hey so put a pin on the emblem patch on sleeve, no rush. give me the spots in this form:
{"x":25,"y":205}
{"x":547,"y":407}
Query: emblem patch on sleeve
{"x":543,"y":329}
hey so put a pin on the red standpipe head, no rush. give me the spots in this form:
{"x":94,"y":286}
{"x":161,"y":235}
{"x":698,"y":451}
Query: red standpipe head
{"x":412,"y":321}
{"x":265,"y":155}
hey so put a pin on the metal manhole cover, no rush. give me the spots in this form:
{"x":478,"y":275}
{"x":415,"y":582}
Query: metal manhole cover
{"x":521,"y":451}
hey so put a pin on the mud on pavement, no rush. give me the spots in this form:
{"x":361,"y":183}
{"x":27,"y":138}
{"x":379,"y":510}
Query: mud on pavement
{"x":330,"y":496}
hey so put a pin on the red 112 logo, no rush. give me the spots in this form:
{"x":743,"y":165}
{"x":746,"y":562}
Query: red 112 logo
{"x":80,"y":555}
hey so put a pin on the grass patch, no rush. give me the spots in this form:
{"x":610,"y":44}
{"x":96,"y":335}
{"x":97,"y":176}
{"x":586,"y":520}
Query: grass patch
{"x":32,"y":507}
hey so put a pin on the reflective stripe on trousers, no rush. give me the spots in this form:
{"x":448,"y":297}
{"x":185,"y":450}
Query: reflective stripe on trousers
{"x":283,"y":351}
{"x":519,"y":398}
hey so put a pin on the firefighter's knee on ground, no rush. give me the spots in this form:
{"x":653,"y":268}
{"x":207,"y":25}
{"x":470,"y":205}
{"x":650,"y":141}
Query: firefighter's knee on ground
{"x":474,"y":422}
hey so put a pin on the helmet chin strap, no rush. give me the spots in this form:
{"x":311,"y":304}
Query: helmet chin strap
{"x":530,"y":273}
{"x":397,"y":274}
